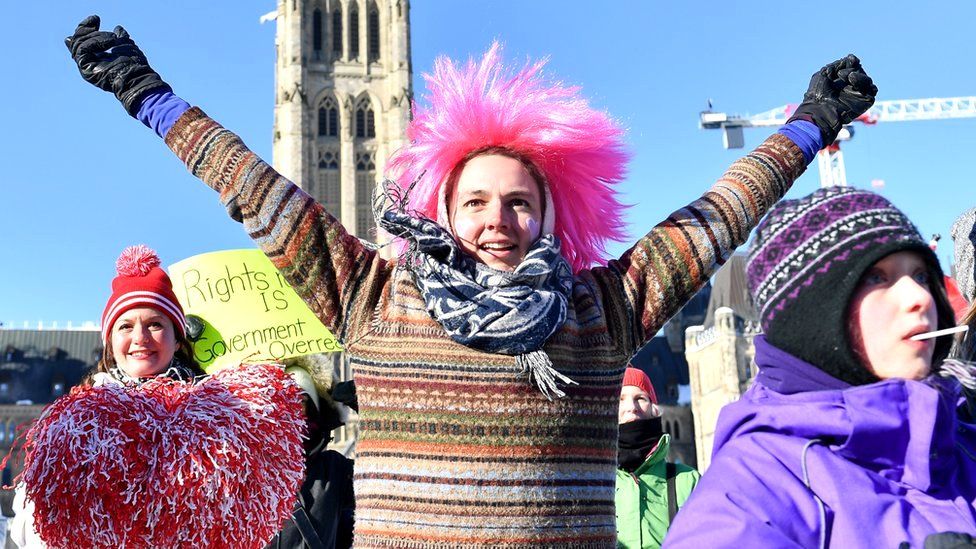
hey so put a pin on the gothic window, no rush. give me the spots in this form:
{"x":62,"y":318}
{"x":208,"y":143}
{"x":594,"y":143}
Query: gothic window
{"x":373,"y":33}
{"x":317,"y":33}
{"x":329,"y":161}
{"x":677,"y":431}
{"x":328,"y":118}
{"x":328,"y":182}
{"x":365,"y":163}
{"x":365,"y":121}
{"x":353,"y":31}
{"x":336,"y":33}
{"x":365,"y":181}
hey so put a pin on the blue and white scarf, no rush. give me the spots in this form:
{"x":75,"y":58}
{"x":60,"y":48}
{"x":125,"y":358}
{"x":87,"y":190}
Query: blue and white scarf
{"x":511,"y":313}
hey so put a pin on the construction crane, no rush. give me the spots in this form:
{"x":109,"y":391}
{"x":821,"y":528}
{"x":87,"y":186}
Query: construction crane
{"x":830,"y":160}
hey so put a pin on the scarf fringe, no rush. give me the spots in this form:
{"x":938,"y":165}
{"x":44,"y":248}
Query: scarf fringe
{"x":539,"y":368}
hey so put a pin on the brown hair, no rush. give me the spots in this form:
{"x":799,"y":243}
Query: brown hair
{"x":530,"y":167}
{"x":184,"y":353}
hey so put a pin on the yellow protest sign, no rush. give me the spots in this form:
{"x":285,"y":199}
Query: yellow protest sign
{"x":248,"y":310}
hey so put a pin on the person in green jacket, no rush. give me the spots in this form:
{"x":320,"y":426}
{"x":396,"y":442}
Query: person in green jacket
{"x":650,"y":490}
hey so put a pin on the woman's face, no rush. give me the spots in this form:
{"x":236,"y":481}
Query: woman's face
{"x":143,"y":342}
{"x":635,"y":404}
{"x":496,"y":210}
{"x":892,"y":303}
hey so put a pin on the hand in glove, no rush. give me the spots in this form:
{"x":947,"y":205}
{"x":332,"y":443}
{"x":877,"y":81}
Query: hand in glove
{"x":113,"y":62}
{"x":838,"y":93}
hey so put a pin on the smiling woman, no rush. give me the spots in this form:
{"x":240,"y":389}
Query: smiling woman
{"x":245,"y":423}
{"x":496,"y":210}
{"x":143,"y":325}
{"x":488,"y":355}
{"x":143,"y":342}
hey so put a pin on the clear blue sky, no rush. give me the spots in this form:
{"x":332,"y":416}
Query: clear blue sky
{"x":81,"y":180}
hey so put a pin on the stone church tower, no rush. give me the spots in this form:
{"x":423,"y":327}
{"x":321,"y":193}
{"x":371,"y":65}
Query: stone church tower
{"x":342,"y":99}
{"x":342,"y":104}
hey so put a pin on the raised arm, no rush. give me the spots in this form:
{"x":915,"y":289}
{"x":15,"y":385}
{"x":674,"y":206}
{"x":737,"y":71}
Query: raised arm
{"x":671,"y":262}
{"x":329,"y":268}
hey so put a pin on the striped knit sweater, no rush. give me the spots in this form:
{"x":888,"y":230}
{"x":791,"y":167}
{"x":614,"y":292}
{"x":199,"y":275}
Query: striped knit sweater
{"x":457,"y":448}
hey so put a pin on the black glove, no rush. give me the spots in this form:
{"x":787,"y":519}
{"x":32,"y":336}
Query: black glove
{"x":113,"y":62}
{"x":838,"y":93}
{"x":345,"y":392}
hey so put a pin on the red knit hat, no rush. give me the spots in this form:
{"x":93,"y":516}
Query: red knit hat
{"x":637,"y":378}
{"x":141,"y":283}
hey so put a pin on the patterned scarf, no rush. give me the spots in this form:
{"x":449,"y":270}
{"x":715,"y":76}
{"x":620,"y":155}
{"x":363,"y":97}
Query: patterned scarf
{"x":511,"y":313}
{"x":176,"y":371}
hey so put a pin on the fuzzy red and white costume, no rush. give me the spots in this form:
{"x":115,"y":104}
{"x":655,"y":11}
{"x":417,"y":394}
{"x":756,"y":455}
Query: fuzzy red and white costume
{"x":168,"y":463}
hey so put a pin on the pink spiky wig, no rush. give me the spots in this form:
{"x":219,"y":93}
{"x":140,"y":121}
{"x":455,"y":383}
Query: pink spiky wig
{"x":578,"y":150}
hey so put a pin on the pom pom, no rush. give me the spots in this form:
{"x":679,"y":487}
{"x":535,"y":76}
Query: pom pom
{"x":483,"y":104}
{"x":168,"y":463}
{"x":136,"y":261}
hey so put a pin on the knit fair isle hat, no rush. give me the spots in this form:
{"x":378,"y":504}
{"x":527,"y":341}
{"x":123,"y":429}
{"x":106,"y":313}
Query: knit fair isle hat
{"x":804,"y":265}
{"x":637,"y":378}
{"x":140,"y":282}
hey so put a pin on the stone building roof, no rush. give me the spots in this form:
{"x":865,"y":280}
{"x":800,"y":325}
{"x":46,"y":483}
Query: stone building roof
{"x":666,"y":368}
{"x":40,"y":365}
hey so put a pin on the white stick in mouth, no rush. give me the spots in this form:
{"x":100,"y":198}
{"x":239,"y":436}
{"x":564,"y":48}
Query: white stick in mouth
{"x":937,"y":333}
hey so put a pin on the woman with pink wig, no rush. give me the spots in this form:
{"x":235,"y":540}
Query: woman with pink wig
{"x":488,"y":355}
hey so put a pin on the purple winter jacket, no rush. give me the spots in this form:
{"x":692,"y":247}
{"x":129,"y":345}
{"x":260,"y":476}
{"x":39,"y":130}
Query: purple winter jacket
{"x":804,"y":460}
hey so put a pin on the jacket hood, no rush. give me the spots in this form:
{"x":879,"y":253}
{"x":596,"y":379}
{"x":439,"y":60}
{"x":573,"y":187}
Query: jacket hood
{"x":901,"y":429}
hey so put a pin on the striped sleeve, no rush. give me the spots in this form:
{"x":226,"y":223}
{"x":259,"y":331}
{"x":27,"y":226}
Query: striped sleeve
{"x":327,"y":266}
{"x":671,"y":263}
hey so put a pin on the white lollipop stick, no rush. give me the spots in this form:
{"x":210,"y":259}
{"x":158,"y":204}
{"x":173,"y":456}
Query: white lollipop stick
{"x":937,"y":333}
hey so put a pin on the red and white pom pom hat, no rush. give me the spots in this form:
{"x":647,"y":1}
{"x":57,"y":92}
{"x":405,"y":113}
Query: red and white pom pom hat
{"x":140,"y":282}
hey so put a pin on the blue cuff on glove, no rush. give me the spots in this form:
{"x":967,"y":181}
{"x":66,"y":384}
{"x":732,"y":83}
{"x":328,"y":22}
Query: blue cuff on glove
{"x":160,"y":110}
{"x":806,"y":135}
